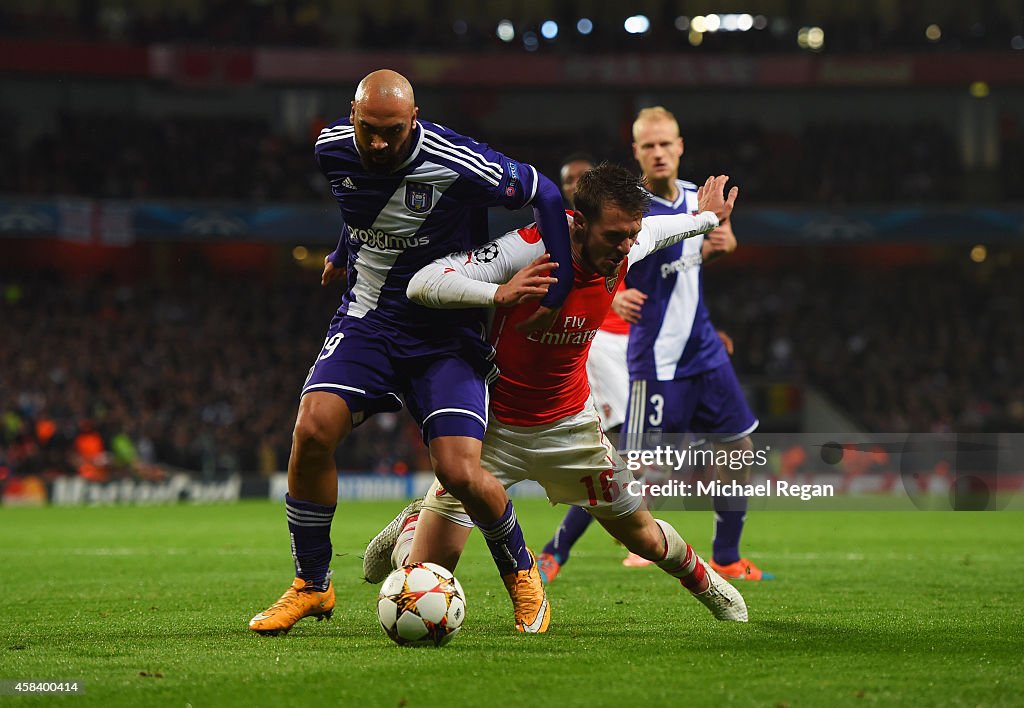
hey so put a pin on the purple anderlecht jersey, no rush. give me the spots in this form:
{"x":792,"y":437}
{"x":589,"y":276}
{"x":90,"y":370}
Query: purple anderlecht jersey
{"x":433,"y":204}
{"x":674,"y":337}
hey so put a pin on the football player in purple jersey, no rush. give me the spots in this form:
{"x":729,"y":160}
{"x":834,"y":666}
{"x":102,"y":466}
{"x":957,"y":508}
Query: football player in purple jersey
{"x":409,"y":191}
{"x":681,"y":379}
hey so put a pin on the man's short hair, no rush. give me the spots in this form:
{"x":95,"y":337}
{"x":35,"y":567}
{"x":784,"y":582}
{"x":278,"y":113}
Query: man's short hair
{"x":652,"y":114}
{"x":577,"y":157}
{"x":610,"y":184}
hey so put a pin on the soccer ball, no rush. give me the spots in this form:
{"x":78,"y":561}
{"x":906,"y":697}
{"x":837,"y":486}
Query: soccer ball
{"x":421,"y":604}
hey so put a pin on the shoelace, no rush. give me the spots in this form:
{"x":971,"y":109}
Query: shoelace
{"x":289,"y":598}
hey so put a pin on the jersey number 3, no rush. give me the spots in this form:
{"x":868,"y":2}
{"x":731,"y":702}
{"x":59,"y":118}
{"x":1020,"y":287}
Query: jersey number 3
{"x":658,"y":405}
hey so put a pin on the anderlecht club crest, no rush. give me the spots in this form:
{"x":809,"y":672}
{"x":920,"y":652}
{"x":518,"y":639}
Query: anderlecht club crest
{"x":419,"y":197}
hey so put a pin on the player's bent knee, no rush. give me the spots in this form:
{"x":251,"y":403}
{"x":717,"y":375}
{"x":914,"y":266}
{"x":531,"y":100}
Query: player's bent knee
{"x":321,"y":423}
{"x":457,"y":464}
{"x":457,"y":478}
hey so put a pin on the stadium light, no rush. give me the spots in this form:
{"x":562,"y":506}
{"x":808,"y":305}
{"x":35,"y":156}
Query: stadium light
{"x":300,"y":253}
{"x":637,"y":24}
{"x":744,"y":22}
{"x":584,"y":26}
{"x":549,"y":29}
{"x":530,"y":41}
{"x":506,"y":31}
{"x":696,"y":38}
{"x":933,"y":32}
{"x":714,"y":22}
{"x":979,"y":89}
{"x":460,"y":27}
{"x":730,"y":22}
{"x":1017,"y":42}
{"x":815,"y":38}
{"x":979,"y":253}
{"x":812,"y":38}
{"x":682,"y":23}
{"x":699,"y":24}
{"x":760,"y":22}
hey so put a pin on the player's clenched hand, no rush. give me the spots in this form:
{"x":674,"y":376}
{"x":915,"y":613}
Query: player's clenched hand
{"x":530,"y":283}
{"x":627,"y":304}
{"x":711,"y":197}
{"x":721,"y":241}
{"x":331,"y":273}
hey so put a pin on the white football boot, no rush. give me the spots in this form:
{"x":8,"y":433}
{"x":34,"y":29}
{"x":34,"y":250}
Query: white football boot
{"x":724,"y":601}
{"x":377,"y":563}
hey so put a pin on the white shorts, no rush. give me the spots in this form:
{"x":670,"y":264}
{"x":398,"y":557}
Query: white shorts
{"x":609,"y":377}
{"x":571,"y":458}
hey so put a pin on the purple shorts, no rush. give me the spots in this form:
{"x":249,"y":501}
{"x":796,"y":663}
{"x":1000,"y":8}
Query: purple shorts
{"x":711,"y":403}
{"x":442,"y":379}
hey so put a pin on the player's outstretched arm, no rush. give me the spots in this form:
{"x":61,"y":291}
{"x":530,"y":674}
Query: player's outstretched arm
{"x":549,"y":213}
{"x":662,"y":231}
{"x":472,"y":278}
{"x":711,"y":197}
{"x":550,"y":217}
{"x":530,"y":283}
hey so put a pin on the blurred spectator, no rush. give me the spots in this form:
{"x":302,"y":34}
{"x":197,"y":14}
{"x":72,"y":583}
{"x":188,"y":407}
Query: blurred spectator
{"x":934,"y":348}
{"x":446,"y":26}
{"x":107,"y":380}
{"x":109,"y":156}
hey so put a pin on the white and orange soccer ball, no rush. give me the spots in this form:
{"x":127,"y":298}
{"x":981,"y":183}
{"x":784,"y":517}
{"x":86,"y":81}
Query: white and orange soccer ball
{"x":421,"y":604}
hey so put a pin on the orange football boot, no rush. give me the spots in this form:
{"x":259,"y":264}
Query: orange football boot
{"x":297,"y":602}
{"x":743,"y":569}
{"x":549,"y":567}
{"x":529,"y":599}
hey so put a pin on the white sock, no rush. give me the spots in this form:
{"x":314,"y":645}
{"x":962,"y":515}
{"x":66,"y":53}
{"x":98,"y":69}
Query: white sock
{"x":403,"y":547}
{"x":681,"y":561}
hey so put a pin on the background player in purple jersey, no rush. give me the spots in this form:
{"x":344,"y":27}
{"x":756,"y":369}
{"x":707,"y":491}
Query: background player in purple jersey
{"x":681,"y":379}
{"x":409,"y":191}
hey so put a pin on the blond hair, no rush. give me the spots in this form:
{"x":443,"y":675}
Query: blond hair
{"x":653,"y":114}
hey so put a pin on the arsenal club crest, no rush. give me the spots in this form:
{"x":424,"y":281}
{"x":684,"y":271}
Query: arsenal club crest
{"x":419,"y":197}
{"x":611,"y":282}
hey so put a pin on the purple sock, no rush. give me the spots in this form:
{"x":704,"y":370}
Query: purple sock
{"x":309,"y":526}
{"x":505,"y":539}
{"x":572,"y":527}
{"x":730,"y":513}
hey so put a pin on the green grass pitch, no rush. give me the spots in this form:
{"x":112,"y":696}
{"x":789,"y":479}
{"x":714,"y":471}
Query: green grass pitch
{"x":148,"y":606}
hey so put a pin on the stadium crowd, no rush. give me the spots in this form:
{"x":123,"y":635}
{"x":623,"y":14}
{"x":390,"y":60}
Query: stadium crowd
{"x":439,"y":26}
{"x":105,"y":379}
{"x":132,"y":157}
{"x":929,"y":348}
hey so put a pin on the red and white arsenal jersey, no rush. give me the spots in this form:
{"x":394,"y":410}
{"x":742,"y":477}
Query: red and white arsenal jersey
{"x":543,"y":374}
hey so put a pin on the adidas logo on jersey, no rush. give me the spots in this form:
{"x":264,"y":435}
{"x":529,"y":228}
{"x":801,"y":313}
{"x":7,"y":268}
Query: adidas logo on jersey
{"x":347,"y":183}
